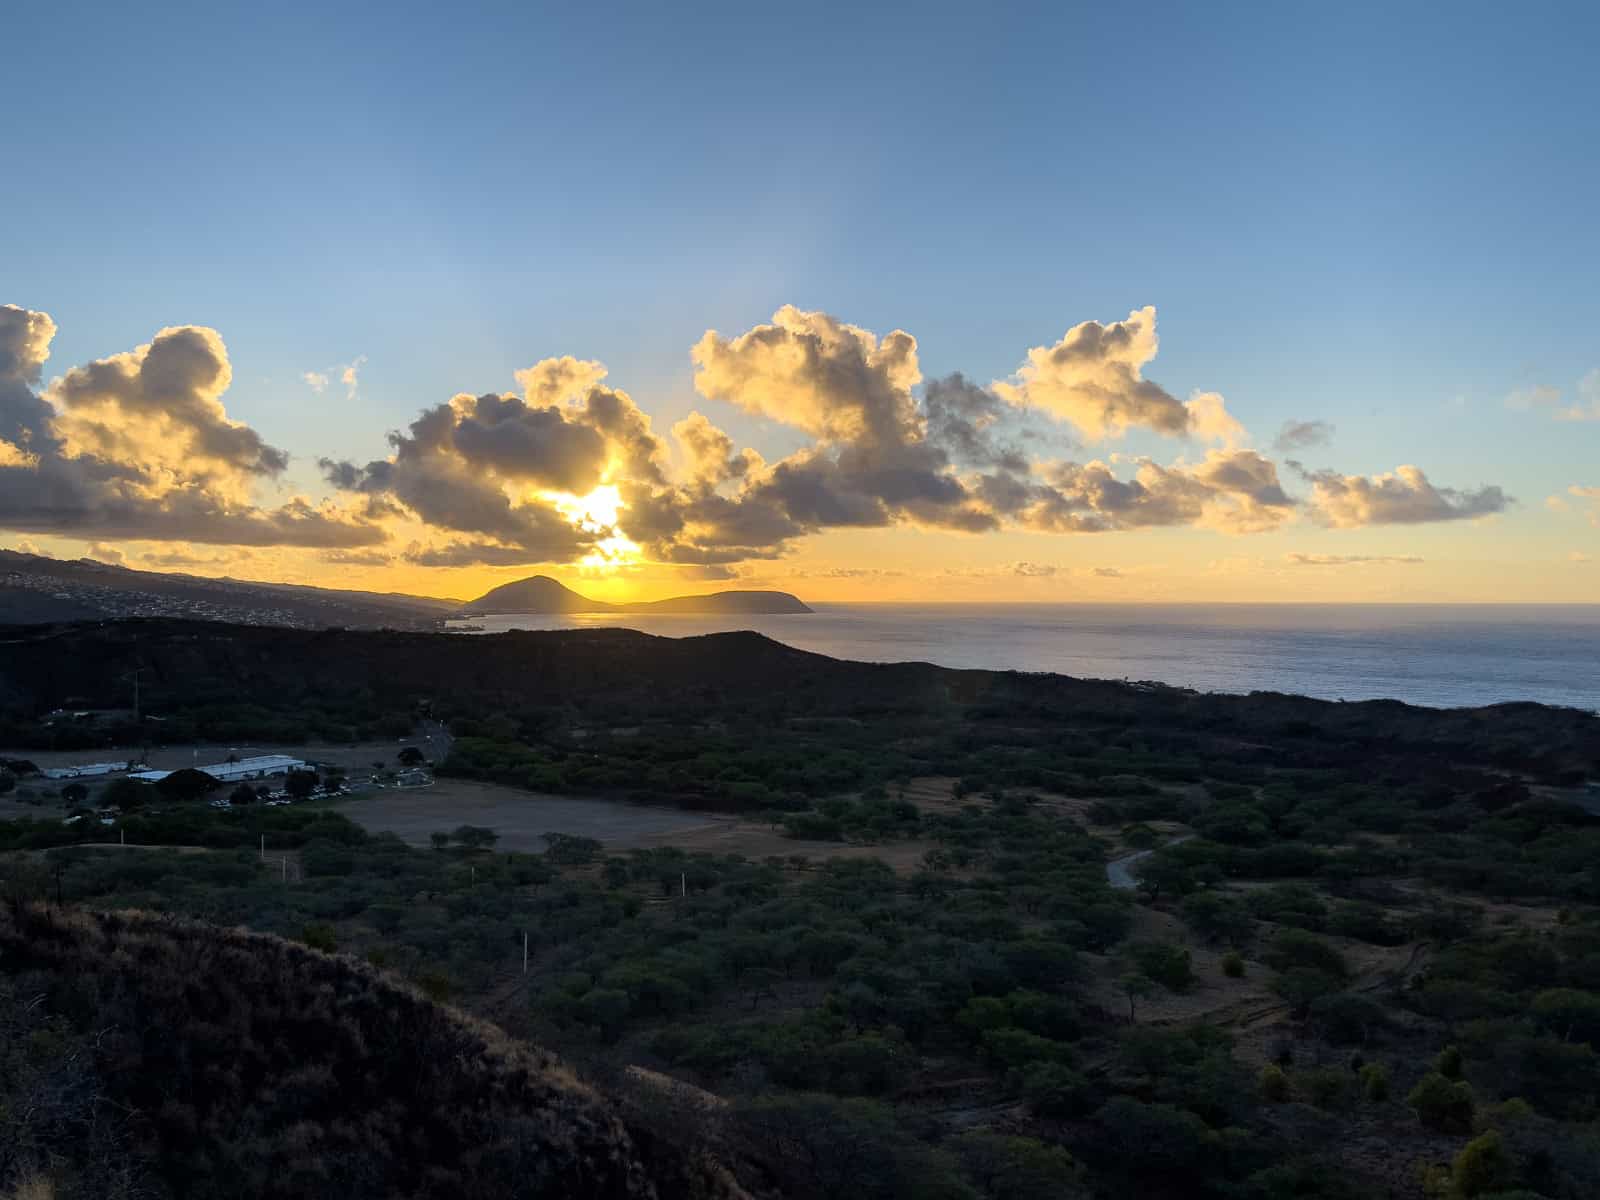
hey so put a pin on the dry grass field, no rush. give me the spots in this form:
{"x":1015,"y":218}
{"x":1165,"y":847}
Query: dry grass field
{"x":520,"y":818}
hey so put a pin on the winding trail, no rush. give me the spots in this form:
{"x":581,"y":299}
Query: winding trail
{"x":1119,"y":876}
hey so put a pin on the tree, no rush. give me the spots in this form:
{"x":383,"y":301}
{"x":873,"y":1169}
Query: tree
{"x":1568,"y":1013}
{"x":411,"y":757}
{"x":475,"y":837}
{"x":1484,"y":1165}
{"x":1018,"y":1168}
{"x":125,"y":794}
{"x":300,"y":784}
{"x":8,"y":781}
{"x":186,"y":784}
{"x":1375,"y":1082}
{"x":74,"y":793}
{"x":1348,"y":1017}
{"x":1163,"y":962}
{"x":604,"y":1008}
{"x":1442,"y":1105}
{"x":440,"y":839}
{"x":1136,"y":985}
{"x":243,"y":794}
{"x":575,"y":851}
{"x":1448,"y":1063}
{"x":1218,"y":917}
{"x":1157,"y":1136}
{"x":1274,"y":1084}
{"x":1055,"y":1090}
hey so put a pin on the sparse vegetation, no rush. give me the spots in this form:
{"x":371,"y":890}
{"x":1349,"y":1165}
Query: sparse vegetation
{"x":1385,"y":919}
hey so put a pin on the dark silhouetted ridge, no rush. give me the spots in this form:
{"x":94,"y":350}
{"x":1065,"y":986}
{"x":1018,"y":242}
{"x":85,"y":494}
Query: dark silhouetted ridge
{"x":541,"y":594}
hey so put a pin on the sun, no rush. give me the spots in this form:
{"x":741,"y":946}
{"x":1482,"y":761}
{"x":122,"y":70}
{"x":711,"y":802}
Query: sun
{"x":592,"y":513}
{"x":598,"y":513}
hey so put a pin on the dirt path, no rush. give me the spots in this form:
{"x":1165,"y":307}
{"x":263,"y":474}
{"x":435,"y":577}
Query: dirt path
{"x":1118,"y":874}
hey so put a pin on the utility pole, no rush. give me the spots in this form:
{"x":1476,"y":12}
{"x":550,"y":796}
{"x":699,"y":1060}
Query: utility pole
{"x":134,"y":675}
{"x":524,"y":951}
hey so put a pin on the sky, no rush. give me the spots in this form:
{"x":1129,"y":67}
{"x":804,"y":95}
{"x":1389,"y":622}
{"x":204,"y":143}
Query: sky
{"x":935,"y":302}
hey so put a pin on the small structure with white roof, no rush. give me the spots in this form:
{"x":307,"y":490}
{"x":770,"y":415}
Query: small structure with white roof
{"x":230,"y":772}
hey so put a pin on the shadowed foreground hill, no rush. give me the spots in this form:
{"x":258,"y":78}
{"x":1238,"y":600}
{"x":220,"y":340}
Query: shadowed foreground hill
{"x":148,"y":1056}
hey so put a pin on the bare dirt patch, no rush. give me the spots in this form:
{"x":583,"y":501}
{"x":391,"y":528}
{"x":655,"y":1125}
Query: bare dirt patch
{"x":520,"y":818}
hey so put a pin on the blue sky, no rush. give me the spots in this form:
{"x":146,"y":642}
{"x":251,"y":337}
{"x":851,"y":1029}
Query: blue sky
{"x":1382,"y":216}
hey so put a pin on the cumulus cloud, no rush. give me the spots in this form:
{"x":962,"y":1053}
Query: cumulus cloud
{"x":571,"y":469}
{"x":160,"y":405}
{"x":815,"y":372}
{"x":1538,"y":395}
{"x":847,"y":573}
{"x":1578,"y":556}
{"x":1012,"y":570}
{"x":1349,"y":560}
{"x":139,"y":445}
{"x":348,"y":373}
{"x":495,"y":467}
{"x":356,"y":558}
{"x":350,"y":376}
{"x":1545,"y":398}
{"x":1587,"y":407}
{"x":876,"y":459}
{"x":1093,"y":378}
{"x":109,"y":555}
{"x":187,"y":556}
{"x":1107,"y":572}
{"x":1235,"y":491}
{"x":709,"y":452}
{"x":1302,"y":435}
{"x":490,"y":554}
{"x":1405,"y":496}
{"x":1591,"y":495}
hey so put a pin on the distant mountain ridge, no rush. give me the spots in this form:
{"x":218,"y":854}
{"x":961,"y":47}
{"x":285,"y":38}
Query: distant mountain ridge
{"x":36,"y":589}
{"x":541,"y":594}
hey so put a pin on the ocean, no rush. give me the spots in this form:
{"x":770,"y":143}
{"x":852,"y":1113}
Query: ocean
{"x":1439,"y":655}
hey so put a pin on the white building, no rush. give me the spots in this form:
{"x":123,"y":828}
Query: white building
{"x":230,"y":772}
{"x":84,"y":770}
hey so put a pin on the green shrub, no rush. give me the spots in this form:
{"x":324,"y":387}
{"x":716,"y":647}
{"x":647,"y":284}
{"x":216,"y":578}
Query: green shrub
{"x":1375,"y":1082}
{"x":1484,"y":1166}
{"x":1448,"y":1063}
{"x":1273,"y":1084}
{"x":1327,"y":1087}
{"x":1442,"y":1105}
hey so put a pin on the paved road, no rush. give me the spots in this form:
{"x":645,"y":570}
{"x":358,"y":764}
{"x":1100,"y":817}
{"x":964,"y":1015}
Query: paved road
{"x":1118,"y":874}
